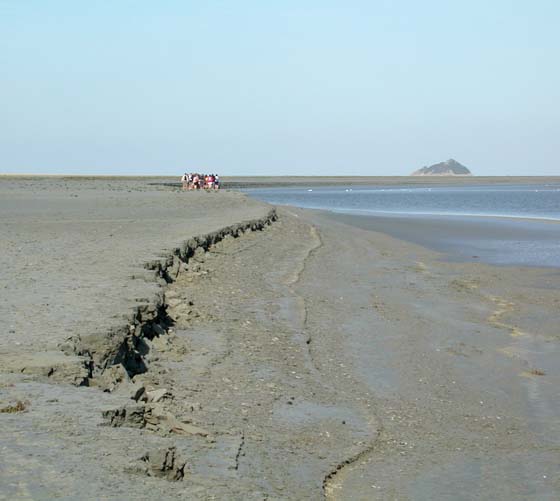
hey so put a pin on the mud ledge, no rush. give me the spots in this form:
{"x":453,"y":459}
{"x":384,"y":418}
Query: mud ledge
{"x":125,"y":347}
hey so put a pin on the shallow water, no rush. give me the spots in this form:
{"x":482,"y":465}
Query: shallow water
{"x":498,"y":241}
{"x":498,"y":224}
{"x":541,"y":201}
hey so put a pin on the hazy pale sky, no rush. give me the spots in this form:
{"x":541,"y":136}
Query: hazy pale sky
{"x":279,"y":87}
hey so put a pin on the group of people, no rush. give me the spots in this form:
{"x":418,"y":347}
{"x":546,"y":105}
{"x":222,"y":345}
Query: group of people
{"x":195,"y":181}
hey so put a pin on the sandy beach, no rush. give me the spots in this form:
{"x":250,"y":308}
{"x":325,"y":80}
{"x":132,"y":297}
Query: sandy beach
{"x":206,"y":346}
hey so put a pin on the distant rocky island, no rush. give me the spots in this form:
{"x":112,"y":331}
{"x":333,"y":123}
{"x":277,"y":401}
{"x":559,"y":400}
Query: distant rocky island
{"x":448,"y":168}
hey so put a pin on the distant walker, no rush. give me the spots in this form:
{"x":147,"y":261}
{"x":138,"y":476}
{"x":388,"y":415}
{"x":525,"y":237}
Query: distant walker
{"x":196,"y":181}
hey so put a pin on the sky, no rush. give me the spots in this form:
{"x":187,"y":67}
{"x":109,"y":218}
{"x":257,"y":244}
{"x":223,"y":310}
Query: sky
{"x":247,"y":87}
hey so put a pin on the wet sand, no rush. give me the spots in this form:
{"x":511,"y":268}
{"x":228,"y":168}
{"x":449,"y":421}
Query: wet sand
{"x":459,"y":359}
{"x":301,"y":358}
{"x":492,"y":240}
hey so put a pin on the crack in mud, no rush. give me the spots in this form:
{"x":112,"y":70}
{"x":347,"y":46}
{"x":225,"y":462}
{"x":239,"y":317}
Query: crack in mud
{"x":151,"y":320}
{"x":328,"y":479}
{"x":329,"y":485}
{"x":239,"y":450}
{"x":316,"y":236}
{"x":126,"y":346}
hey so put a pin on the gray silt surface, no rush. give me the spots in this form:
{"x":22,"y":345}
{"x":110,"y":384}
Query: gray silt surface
{"x":459,"y":360}
{"x":335,"y":358}
{"x":236,"y":364}
{"x":72,"y":256}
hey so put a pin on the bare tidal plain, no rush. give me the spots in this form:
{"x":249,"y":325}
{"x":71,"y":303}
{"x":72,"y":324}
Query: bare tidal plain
{"x":201,"y":346}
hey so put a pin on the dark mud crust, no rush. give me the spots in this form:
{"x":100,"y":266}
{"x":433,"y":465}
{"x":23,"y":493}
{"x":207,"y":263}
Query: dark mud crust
{"x":126,"y":345}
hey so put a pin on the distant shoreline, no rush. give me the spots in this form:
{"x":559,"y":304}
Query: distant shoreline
{"x":294,"y":181}
{"x":281,"y":181}
{"x":248,"y":182}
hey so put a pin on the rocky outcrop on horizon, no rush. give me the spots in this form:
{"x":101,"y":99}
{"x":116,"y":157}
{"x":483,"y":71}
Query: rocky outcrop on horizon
{"x":448,"y":168}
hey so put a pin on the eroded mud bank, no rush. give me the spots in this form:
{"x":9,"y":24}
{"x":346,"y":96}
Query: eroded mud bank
{"x":229,"y":402}
{"x":111,"y":356}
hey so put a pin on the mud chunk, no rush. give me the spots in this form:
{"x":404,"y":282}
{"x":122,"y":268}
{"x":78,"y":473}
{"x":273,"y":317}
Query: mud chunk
{"x":138,"y":392}
{"x":176,"y":426}
{"x":157,"y":395}
{"x":174,"y":302}
{"x":158,"y":419}
{"x":162,"y":343}
{"x":131,"y":390}
{"x":71,"y":345}
{"x":111,"y":378}
{"x":131,"y":416}
{"x":164,"y":463}
{"x":153,"y":417}
{"x":54,"y":365}
{"x":199,"y":255}
{"x":19,"y":406}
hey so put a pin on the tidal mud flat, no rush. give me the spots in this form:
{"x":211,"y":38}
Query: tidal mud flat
{"x":459,"y":361}
{"x":226,"y":351}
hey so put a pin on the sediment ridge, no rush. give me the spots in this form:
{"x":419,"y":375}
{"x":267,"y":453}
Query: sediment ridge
{"x":126,"y":346}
